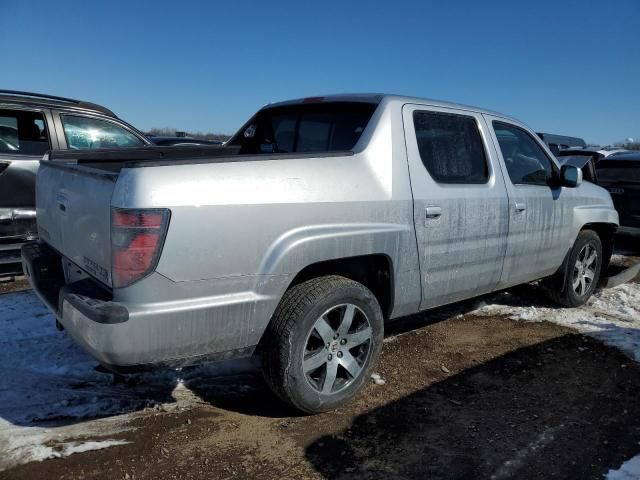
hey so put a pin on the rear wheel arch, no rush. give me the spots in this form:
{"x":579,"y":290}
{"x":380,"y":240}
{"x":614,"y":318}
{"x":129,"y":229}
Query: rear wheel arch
{"x":374,"y":271}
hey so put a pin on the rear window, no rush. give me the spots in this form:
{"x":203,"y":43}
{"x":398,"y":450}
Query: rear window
{"x":316,"y":127}
{"x":23,"y":132}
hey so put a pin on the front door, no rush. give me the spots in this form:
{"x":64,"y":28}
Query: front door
{"x":540,"y":213}
{"x":460,"y":203}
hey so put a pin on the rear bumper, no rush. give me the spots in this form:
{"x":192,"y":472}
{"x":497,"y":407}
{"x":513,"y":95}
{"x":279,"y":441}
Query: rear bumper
{"x":43,"y":268}
{"x":129,"y":337}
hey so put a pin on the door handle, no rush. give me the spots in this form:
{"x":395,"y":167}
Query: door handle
{"x":521,"y":207}
{"x":61,"y":200}
{"x":433,"y":212}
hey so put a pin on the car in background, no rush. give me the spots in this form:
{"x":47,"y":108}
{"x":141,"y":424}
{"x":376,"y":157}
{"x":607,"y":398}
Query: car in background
{"x":557,"y":143}
{"x":609,"y":151}
{"x":182,"y":141}
{"x":620,"y":174}
{"x":597,"y":150}
{"x":30,"y":125}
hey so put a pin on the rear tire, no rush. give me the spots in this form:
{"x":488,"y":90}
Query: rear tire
{"x":323,"y":341}
{"x":573,"y":287}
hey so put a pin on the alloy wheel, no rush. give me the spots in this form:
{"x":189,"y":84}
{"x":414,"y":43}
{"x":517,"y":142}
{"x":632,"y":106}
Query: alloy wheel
{"x":337,"y":348}
{"x":584,"y":271}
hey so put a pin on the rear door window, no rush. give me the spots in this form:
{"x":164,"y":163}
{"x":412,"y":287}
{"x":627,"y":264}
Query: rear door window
{"x":23,"y":132}
{"x":86,"y":133}
{"x":451,"y":147}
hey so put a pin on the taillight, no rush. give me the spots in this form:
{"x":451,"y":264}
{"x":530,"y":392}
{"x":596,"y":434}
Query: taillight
{"x":137,"y":236}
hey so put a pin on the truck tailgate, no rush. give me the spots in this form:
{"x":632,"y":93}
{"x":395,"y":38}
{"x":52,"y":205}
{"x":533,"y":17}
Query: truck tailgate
{"x":73,"y":206}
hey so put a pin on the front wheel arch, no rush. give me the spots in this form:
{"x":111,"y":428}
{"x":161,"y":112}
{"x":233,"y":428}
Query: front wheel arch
{"x":606,"y":232}
{"x":557,"y":285}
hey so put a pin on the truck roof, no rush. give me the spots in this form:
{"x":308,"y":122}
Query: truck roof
{"x":16,"y":97}
{"x":379,"y":97}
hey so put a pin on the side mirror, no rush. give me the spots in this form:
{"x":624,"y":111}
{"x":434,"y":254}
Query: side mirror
{"x":570,"y":176}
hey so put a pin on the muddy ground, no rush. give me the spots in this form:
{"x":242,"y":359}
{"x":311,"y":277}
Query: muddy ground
{"x":465,"y":397}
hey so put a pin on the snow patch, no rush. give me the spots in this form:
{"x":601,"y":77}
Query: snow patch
{"x":611,"y":315}
{"x":21,"y":444}
{"x":43,"y":452}
{"x":377,"y":379}
{"x":75,"y":447}
{"x":629,"y":470}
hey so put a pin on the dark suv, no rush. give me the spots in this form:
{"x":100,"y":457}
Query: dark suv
{"x":620,"y":174}
{"x":30,"y":125}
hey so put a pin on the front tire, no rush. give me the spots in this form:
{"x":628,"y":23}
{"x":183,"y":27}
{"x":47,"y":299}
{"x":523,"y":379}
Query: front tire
{"x":322,"y":343}
{"x":582,"y":272}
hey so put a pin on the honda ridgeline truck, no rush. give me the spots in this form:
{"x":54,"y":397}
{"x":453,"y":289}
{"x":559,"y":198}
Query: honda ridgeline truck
{"x":320,"y":220}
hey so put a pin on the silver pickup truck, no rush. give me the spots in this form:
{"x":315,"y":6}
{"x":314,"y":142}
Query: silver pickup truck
{"x":320,"y":220}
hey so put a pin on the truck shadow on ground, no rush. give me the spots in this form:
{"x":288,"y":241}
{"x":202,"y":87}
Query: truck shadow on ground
{"x":564,"y":408}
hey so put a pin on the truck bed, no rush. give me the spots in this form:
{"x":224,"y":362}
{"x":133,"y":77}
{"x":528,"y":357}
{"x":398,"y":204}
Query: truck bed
{"x":114,"y":159}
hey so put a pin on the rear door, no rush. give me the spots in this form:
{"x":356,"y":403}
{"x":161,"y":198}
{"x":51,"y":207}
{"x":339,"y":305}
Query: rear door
{"x":25,"y":135}
{"x":24,"y":138}
{"x":460,"y":203}
{"x":540,"y":215}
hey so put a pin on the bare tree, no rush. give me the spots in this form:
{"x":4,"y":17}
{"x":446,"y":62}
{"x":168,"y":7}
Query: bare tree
{"x":171,"y":132}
